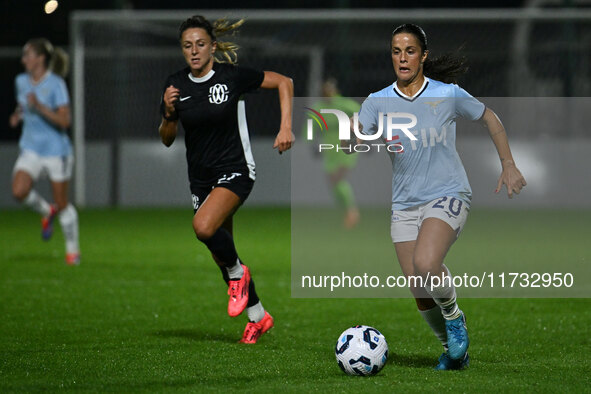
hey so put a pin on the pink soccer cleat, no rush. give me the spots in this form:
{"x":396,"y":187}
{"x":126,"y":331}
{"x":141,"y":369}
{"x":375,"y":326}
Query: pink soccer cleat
{"x":253,"y":331}
{"x":238,"y":292}
{"x":73,"y":258}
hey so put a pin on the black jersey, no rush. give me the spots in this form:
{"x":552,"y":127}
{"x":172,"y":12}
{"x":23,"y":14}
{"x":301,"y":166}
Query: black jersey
{"x":214,"y":119}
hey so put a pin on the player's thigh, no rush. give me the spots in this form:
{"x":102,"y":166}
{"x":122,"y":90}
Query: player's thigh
{"x":22,"y":183}
{"x":404,"y":229}
{"x":27,"y":170}
{"x":405,"y":253}
{"x":441,"y":222}
{"x":219,"y":205}
{"x":434,"y":240}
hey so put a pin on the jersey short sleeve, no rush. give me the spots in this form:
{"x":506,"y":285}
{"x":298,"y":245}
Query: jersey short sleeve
{"x":467,"y":106}
{"x":368,"y":115}
{"x":248,"y":79}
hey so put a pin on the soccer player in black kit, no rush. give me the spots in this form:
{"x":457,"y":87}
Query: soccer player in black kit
{"x":205,"y":97}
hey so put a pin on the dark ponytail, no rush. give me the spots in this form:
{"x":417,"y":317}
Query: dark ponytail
{"x":445,"y":68}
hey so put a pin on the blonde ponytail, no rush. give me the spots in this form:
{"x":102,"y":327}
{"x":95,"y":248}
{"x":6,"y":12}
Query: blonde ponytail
{"x":227,"y":49}
{"x":60,"y":62}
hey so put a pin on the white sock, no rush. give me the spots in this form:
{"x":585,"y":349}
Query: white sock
{"x":435,"y":320}
{"x":235,"y":271}
{"x":37,"y":203}
{"x":444,"y":295}
{"x":256,"y":312}
{"x":69,"y":221}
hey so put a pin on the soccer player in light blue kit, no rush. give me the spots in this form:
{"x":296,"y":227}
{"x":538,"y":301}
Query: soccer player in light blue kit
{"x":43,"y":106}
{"x":430,"y":190}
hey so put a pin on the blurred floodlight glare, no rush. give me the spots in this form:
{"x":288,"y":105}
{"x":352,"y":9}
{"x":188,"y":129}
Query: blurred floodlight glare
{"x":51,"y":6}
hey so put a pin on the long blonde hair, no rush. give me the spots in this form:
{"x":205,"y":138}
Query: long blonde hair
{"x":227,"y":50}
{"x":56,"y":59}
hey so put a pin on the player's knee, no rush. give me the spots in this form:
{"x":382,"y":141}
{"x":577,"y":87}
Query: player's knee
{"x":203,"y":229}
{"x":424,"y":265}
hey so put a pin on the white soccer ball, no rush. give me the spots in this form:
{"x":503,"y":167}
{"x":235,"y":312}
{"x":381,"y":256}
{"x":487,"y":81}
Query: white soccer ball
{"x":361,"y":350}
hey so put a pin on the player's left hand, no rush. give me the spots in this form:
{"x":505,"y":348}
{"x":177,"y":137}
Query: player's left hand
{"x":284,"y":140}
{"x":511,"y":177}
{"x":32,"y":101}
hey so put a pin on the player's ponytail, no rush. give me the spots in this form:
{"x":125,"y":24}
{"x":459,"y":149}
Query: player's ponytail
{"x":56,"y":59}
{"x":226,"y":51}
{"x":60,"y":62}
{"x":445,"y":68}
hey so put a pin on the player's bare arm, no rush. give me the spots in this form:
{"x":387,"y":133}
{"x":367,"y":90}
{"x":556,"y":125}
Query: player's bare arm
{"x":16,"y":117}
{"x":168,"y":127}
{"x":284,"y":85}
{"x":60,"y":117}
{"x":511,"y":177}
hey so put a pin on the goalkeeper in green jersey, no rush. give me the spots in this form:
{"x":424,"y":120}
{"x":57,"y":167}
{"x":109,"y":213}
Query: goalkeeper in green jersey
{"x":338,"y":164}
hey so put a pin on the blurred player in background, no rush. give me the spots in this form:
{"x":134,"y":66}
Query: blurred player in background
{"x":205,"y":97}
{"x":430,"y":190}
{"x":338,"y":164}
{"x":43,"y":106}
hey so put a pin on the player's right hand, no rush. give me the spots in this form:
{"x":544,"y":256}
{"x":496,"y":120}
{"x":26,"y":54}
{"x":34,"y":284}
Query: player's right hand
{"x":171,"y":96}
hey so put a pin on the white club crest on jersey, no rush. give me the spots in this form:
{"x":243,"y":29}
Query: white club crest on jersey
{"x":195,"y":201}
{"x":218,"y":93}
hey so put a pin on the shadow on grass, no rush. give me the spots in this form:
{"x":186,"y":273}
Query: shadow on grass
{"x":197,"y":334}
{"x":412,"y":360}
{"x":120,"y":386}
{"x":34,"y":257}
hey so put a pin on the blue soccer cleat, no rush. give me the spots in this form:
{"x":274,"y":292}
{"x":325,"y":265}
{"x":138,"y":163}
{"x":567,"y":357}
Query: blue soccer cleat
{"x":47,"y":223}
{"x":447,"y":364}
{"x":457,"y":337}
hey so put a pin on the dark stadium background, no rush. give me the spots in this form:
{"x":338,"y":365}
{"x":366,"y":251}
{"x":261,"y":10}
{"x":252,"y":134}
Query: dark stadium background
{"x":21,"y":20}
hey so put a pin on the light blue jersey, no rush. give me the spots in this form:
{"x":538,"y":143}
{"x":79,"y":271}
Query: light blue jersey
{"x":39,"y":135}
{"x":428,"y":167}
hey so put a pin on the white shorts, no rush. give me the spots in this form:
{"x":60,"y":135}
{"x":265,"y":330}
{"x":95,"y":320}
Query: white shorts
{"x":57,"y":168}
{"x":406,"y":224}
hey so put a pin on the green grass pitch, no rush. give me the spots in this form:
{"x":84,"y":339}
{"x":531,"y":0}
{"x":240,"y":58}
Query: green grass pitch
{"x":146,"y":311}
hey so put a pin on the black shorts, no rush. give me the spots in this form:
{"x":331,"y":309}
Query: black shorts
{"x":237,"y":182}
